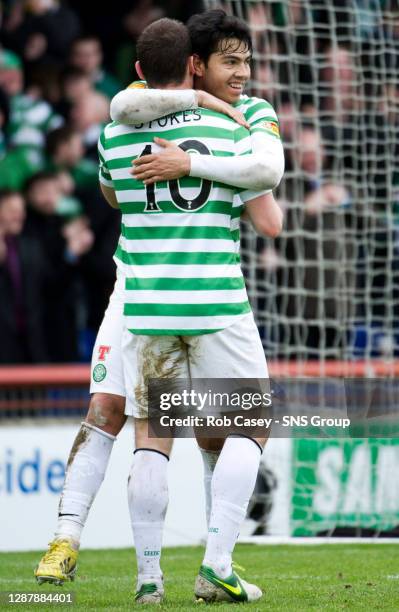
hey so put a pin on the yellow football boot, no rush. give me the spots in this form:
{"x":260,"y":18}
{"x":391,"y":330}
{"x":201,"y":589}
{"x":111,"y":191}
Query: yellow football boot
{"x":59,"y":563}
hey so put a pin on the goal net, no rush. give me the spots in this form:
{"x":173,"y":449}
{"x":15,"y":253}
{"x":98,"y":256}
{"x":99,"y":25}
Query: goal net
{"x":327,"y":290}
{"x":329,"y":287}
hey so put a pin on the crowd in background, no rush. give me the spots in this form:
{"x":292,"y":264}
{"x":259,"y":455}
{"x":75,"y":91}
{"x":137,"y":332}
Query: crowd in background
{"x":329,"y":287}
{"x":57,"y":234}
{"x":330,"y":70}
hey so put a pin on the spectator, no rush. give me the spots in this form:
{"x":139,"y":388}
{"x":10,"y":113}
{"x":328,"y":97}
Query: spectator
{"x":139,"y":16}
{"x":69,"y":206}
{"x":4,"y":118}
{"x":44,"y":32}
{"x":21,"y":287}
{"x":63,"y":245}
{"x":265,"y":82}
{"x":44,"y":82}
{"x":11,"y":75}
{"x":65,"y":151}
{"x":336,"y":24}
{"x":182,"y":10}
{"x":343,"y":125}
{"x":296,"y":39}
{"x":86,"y":54}
{"x":75,"y":84}
{"x":361,"y":145}
{"x":88,"y":116}
{"x":340,"y":83}
{"x":29,"y":120}
{"x":318,"y":278}
{"x":18,"y":165}
{"x":259,"y":19}
{"x":106,"y":24}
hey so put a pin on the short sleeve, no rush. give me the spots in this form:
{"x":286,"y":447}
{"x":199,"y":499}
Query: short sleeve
{"x":104,"y":174}
{"x":262,"y":117}
{"x":242,"y":141}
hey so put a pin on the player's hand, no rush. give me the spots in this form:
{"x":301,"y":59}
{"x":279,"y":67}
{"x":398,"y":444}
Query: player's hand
{"x":171,"y":163}
{"x":207,"y":100}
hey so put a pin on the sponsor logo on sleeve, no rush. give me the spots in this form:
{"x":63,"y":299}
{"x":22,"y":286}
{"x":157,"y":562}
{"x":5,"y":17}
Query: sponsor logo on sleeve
{"x":103,"y":352}
{"x":272,"y":126}
{"x":137,"y":85}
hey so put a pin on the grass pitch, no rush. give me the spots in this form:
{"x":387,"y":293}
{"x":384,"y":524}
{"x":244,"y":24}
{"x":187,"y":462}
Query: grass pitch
{"x":321,"y":577}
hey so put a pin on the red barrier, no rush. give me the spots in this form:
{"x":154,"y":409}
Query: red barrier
{"x":44,"y":375}
{"x":79,"y":375}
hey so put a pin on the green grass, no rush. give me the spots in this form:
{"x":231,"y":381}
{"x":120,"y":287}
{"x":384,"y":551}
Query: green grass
{"x":324,"y":577}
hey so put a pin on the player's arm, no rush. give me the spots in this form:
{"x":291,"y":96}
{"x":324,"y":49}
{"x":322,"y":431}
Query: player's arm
{"x":109,"y":195}
{"x":265,"y":215}
{"x":134,"y":106}
{"x":104,"y":175}
{"x":262,"y":167}
{"x":261,"y":209}
{"x":261,"y":170}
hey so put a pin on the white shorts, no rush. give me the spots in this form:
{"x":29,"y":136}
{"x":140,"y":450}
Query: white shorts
{"x":106,"y":374}
{"x":234,"y":352}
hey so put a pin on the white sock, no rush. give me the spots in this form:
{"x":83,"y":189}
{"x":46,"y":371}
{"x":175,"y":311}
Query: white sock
{"x":209,"y":459}
{"x":87,"y":463}
{"x":148,"y":502}
{"x":233,"y":483}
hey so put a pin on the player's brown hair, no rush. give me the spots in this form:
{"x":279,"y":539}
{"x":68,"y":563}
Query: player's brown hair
{"x":163,"y":50}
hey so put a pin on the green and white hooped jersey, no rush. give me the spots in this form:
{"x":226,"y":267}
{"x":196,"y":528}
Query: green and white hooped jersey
{"x":178,"y":249}
{"x":260,"y":115}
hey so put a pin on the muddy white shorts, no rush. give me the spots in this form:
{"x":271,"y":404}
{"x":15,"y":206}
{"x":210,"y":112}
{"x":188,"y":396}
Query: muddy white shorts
{"x":106,"y":362}
{"x":234,"y":352}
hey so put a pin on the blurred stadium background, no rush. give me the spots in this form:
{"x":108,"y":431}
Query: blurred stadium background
{"x":325,"y":294}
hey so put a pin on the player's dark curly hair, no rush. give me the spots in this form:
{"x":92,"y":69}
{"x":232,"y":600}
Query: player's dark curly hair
{"x":163,"y":50}
{"x":212,"y":31}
